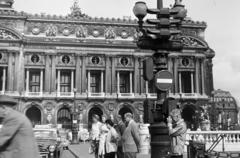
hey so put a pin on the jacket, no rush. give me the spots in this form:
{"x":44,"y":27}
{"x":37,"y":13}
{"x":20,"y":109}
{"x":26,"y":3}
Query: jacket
{"x":131,"y":138}
{"x":111,"y":140}
{"x":17,"y":137}
{"x":177,"y":134}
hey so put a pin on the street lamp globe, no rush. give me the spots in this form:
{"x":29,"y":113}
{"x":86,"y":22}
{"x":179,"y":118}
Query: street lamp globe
{"x":140,"y":10}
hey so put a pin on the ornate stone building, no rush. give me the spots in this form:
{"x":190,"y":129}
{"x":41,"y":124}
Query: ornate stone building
{"x":52,"y":62}
{"x":224,"y":111}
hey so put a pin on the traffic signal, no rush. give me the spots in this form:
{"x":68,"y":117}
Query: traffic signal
{"x":148,"y":69}
{"x":165,"y":24}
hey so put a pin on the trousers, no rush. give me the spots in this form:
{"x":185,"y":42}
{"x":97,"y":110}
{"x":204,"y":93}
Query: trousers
{"x":130,"y":155}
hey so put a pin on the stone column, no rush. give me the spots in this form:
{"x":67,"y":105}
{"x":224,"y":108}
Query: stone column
{"x":118,"y":82}
{"x":16,"y":69}
{"x":27,"y":80}
{"x":53,"y":76}
{"x":113,"y":77}
{"x":180,"y":82}
{"x":10,"y":72}
{"x":107,"y":75}
{"x":47,"y":74}
{"x":72,"y":80}
{"x":41,"y":81}
{"x":203,"y":76}
{"x":131,"y":81}
{"x":4,"y":80}
{"x":58,"y":81}
{"x":197,"y":67}
{"x":21,"y":70}
{"x":78,"y":74}
{"x":102,"y":82}
{"x":192,"y":83}
{"x":89,"y":81}
{"x":83,"y":79}
{"x":146,"y":85}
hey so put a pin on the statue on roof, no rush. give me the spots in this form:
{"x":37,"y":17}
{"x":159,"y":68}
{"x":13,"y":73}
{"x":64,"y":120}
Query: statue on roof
{"x":6,"y":3}
{"x":76,"y":10}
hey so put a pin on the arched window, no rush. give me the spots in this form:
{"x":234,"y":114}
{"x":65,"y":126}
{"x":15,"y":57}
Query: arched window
{"x":94,"y":111}
{"x":64,"y":117}
{"x":124,"y":110}
{"x":34,"y":115}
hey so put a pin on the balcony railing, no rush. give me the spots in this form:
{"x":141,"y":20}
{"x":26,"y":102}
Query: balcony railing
{"x":96,"y":95}
{"x":33,"y":94}
{"x":230,"y":141}
{"x":65,"y":94}
{"x":125,"y":95}
{"x":151,"y":95}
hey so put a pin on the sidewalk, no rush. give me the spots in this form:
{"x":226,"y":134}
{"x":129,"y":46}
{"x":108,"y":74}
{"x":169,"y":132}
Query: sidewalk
{"x":81,"y":150}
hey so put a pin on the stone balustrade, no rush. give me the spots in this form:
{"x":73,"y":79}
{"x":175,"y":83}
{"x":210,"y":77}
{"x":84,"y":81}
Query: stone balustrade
{"x":230,"y":141}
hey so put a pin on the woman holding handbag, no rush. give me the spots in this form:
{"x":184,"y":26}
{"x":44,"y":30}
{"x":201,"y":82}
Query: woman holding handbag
{"x":111,"y":140}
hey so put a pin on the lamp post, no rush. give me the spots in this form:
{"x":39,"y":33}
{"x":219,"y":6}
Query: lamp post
{"x":75,"y":121}
{"x":162,"y":37}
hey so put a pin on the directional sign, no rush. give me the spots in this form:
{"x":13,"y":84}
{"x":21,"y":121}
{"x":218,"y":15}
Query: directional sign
{"x":163,"y":80}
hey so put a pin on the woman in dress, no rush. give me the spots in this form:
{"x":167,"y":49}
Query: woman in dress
{"x":95,"y":134}
{"x":102,"y":138}
{"x":111,"y":140}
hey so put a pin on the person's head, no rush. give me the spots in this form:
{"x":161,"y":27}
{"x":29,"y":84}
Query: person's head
{"x":5,"y":103}
{"x":119,"y":118}
{"x":95,"y":118}
{"x":109,"y":123}
{"x":104,"y":118}
{"x":128,"y":117}
{"x":176,"y":115}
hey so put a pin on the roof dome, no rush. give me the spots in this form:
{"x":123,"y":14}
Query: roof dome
{"x":6,"y":3}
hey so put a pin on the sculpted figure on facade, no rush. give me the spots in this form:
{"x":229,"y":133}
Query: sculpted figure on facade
{"x":51,"y":31}
{"x":109,"y":33}
{"x":7,"y":35}
{"x":81,"y":32}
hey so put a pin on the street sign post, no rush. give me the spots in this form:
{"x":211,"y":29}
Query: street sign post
{"x":163,"y":80}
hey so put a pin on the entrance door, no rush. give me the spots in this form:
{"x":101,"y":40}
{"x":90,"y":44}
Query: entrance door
{"x":93,"y":111}
{"x":124,"y":110}
{"x":64,"y":117}
{"x":188,"y":114}
{"x":34,"y":115}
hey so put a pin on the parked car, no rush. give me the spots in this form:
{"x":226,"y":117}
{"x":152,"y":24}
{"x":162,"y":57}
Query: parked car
{"x":49,"y":142}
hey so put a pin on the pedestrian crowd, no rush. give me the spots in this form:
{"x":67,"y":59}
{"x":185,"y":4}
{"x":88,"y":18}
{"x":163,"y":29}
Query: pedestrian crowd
{"x":109,"y":140}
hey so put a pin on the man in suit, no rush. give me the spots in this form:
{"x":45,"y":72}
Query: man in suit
{"x":177,"y":131}
{"x":120,"y":127}
{"x":130,"y":138}
{"x":16,"y":136}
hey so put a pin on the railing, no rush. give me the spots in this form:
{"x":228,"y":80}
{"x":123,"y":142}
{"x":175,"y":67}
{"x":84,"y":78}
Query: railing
{"x":65,"y":94}
{"x":230,"y":142}
{"x":33,"y":94}
{"x":125,"y":95}
{"x":96,"y":95}
{"x":151,"y":95}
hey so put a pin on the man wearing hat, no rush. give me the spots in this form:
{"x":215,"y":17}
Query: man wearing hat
{"x":16,"y":136}
{"x":177,"y":131}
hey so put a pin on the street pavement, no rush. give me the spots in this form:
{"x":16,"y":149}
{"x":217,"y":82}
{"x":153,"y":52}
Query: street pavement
{"x":81,"y":150}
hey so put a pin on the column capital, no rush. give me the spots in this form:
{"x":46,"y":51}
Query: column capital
{"x":173,"y":55}
{"x":50,"y":52}
{"x":200,"y":56}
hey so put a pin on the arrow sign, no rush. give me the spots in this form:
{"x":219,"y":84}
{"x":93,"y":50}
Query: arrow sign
{"x":163,"y":80}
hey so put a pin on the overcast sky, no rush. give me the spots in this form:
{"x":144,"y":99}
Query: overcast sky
{"x":222,"y":34}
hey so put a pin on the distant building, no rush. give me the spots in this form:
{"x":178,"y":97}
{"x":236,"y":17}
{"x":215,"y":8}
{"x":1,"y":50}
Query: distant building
{"x":52,"y":62}
{"x":225,"y":109}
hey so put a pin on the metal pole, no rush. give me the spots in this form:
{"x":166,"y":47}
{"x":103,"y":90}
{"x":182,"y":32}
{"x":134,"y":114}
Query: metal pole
{"x":159,"y":4}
